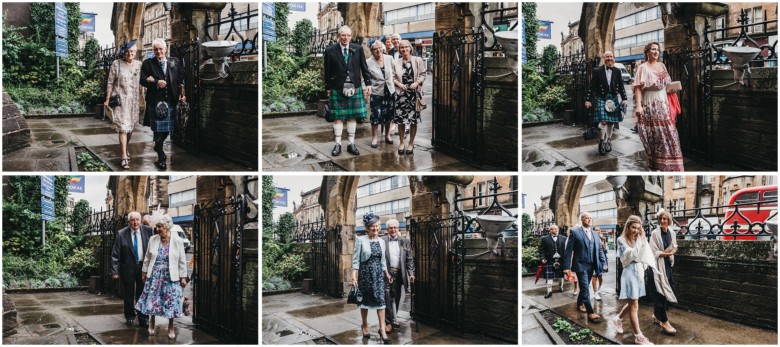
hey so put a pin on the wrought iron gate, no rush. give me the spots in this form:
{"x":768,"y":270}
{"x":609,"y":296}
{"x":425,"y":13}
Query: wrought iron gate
{"x":218,"y":277}
{"x":106,"y":225}
{"x":439,"y":289}
{"x":186,"y":134}
{"x":458,"y":94}
{"x":579,"y":70}
{"x":323,"y":257}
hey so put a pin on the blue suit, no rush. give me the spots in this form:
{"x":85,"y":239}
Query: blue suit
{"x":583,"y":256}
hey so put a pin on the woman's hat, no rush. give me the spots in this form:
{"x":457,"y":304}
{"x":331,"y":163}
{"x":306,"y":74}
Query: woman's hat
{"x":125,"y":47}
{"x":370,"y":219}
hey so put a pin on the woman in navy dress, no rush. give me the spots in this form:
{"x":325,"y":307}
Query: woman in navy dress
{"x":369,"y":262}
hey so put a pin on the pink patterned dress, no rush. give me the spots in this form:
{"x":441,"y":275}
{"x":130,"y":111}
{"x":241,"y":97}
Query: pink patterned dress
{"x":656,"y":129}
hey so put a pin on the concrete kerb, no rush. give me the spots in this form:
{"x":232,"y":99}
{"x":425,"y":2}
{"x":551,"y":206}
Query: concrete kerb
{"x":548,"y":329}
{"x":74,"y":166}
{"x":72,"y":338}
{"x":286,"y":291}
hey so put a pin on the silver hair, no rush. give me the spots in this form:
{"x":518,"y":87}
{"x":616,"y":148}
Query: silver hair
{"x":161,"y":41}
{"x":165,"y":220}
{"x":583,"y":214}
{"x":392,"y":221}
{"x":345,"y":27}
{"x":379,"y":43}
{"x":133,"y":213}
{"x":554,"y":226}
{"x":394,"y":35}
{"x":405,"y":41}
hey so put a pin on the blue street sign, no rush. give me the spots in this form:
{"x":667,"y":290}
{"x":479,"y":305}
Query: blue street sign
{"x":47,"y":204}
{"x":269,"y":38}
{"x":269,"y":9}
{"x":47,"y":186}
{"x":268,"y":24}
{"x":297,"y":6}
{"x":48,"y":218}
{"x":61,"y":47}
{"x":60,"y":20}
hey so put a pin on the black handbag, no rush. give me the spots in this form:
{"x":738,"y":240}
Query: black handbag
{"x":355,"y":296}
{"x":590,"y":134}
{"x":115,"y":100}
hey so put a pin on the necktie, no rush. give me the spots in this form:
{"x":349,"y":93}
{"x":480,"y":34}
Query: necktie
{"x":162,"y":67}
{"x":346,"y":55}
{"x":135,"y":246}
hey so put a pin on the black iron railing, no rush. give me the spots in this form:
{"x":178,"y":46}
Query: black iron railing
{"x":504,"y":15}
{"x":106,"y":225}
{"x":768,"y":52}
{"x":745,"y":221}
{"x":322,"y":258}
{"x":238,"y":22}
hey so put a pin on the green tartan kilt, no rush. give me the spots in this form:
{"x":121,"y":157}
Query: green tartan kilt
{"x":342,"y":107}
{"x":601,"y":115}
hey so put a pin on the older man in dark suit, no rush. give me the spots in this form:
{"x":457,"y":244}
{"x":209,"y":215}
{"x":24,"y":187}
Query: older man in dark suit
{"x":345,"y":73}
{"x":551,"y":251}
{"x":400,"y":265}
{"x":127,"y":257}
{"x":583,"y":255}
{"x":605,"y":86}
{"x":164,"y":81}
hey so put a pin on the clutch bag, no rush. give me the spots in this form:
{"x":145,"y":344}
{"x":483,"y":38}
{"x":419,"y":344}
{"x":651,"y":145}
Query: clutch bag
{"x":675,"y":86}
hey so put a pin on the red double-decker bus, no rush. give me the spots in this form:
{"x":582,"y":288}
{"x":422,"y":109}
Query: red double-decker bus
{"x":750,"y":208}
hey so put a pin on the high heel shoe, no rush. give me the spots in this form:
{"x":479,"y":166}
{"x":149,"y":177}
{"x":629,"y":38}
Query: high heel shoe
{"x":365,"y":332}
{"x":125,"y":163}
{"x":151,"y":330}
{"x":385,"y":339}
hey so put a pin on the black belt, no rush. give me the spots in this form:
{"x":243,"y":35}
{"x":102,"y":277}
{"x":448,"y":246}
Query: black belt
{"x":395,"y":269}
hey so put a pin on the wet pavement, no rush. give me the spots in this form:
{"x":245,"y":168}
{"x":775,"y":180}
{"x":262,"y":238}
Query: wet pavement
{"x":55,"y":140}
{"x":692,"y":328}
{"x":297,"y":318}
{"x":305,"y":142}
{"x":55,"y":317}
{"x":561,"y":147}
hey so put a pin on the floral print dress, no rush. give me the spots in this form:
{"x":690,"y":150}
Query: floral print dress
{"x":161,"y":296}
{"x":124,"y":80}
{"x":371,"y":281}
{"x":656,"y":128}
{"x":406,"y":101}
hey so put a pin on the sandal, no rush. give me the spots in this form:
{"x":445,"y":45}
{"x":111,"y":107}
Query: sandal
{"x":365,"y":332}
{"x":125,"y":164}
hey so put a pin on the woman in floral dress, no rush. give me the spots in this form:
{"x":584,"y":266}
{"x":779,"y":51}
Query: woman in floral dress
{"x":369,"y":261}
{"x":165,"y":275}
{"x":409,"y":75}
{"x":123,"y":80}
{"x":656,"y":129}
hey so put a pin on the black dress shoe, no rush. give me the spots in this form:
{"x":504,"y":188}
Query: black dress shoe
{"x":352,"y":149}
{"x":336,"y":150}
{"x":161,"y":164}
{"x":389,"y":141}
{"x":373,"y":145}
{"x":129,"y":322}
{"x":549,"y":294}
{"x":143,"y":323}
{"x":608,"y":146}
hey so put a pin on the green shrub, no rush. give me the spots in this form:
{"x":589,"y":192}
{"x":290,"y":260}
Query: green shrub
{"x":554,"y":98}
{"x":308,"y":86}
{"x":82,"y":262}
{"x":293,"y":267}
{"x":531,"y":259}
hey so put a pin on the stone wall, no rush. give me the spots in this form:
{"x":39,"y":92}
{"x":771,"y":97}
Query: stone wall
{"x":16,"y":133}
{"x":500,"y":116}
{"x":229,"y":123}
{"x":744,"y":121}
{"x":491,"y":290}
{"x":731,"y":280}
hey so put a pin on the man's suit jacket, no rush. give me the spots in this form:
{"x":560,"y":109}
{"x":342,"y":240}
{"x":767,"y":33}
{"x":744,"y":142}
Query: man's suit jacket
{"x":583,"y":254}
{"x":122,"y":258}
{"x":336,"y":69}
{"x":174,"y":78}
{"x":547,"y":247}
{"x":599,"y":87}
{"x":406,"y":259}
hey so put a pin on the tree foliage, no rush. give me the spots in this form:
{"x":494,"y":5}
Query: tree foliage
{"x":280,"y":19}
{"x":531,"y":24}
{"x":549,"y":59}
{"x":285,"y":227}
{"x":268,"y":192}
{"x":300,"y":37}
{"x":79,"y":219}
{"x":22,"y":224}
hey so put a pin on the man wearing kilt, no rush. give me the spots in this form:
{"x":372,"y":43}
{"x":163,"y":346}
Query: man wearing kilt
{"x":604,"y":88}
{"x":551,"y":251}
{"x":345,"y":64}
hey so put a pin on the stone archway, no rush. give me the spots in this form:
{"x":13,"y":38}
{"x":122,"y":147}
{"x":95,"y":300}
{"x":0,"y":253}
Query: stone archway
{"x":431,"y":195}
{"x":640,"y":195}
{"x":682,"y":24}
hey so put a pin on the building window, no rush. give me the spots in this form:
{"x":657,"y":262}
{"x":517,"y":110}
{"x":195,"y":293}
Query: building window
{"x":638,"y":17}
{"x":384,"y":208}
{"x":410,"y":14}
{"x":679,"y":182}
{"x":720,"y":23}
{"x":383,"y":185}
{"x":597,"y":198}
{"x":173,"y":178}
{"x":758,"y":17}
{"x":184,"y":198}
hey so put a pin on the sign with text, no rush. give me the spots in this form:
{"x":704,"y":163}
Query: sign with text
{"x":60,"y":20}
{"x":545,"y":30}
{"x":61,"y":47}
{"x":76,"y":184}
{"x":87,"y":22}
{"x":269,"y":9}
{"x":280,"y":198}
{"x":47,"y":186}
{"x":297,"y":6}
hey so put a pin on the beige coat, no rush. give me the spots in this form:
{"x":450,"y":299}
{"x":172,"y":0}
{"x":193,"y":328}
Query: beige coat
{"x":661,"y":281}
{"x":418,"y":66}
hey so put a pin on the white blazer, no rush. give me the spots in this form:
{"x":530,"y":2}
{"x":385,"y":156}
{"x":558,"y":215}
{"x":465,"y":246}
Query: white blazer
{"x":177,"y":259}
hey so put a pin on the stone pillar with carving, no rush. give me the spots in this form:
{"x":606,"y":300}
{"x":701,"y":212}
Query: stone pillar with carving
{"x":338,"y":198}
{"x":684,"y":23}
{"x":130,"y":194}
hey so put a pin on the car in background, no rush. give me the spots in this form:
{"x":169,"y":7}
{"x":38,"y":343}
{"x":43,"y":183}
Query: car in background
{"x":624,"y":75}
{"x":179,"y":231}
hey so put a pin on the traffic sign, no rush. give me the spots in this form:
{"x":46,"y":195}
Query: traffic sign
{"x":268,"y":24}
{"x":47,"y":204}
{"x":47,"y":217}
{"x":47,"y":186}
{"x":269,"y":38}
{"x":61,"y":47}
{"x":60,"y":20}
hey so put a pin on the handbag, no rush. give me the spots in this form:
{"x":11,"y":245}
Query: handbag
{"x":115,"y":100}
{"x":590,"y":133}
{"x":355,"y":296}
{"x":675,"y":86}
{"x":420,"y":104}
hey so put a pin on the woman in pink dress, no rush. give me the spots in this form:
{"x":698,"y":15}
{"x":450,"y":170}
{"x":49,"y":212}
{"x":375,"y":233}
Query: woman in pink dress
{"x":656,"y":129}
